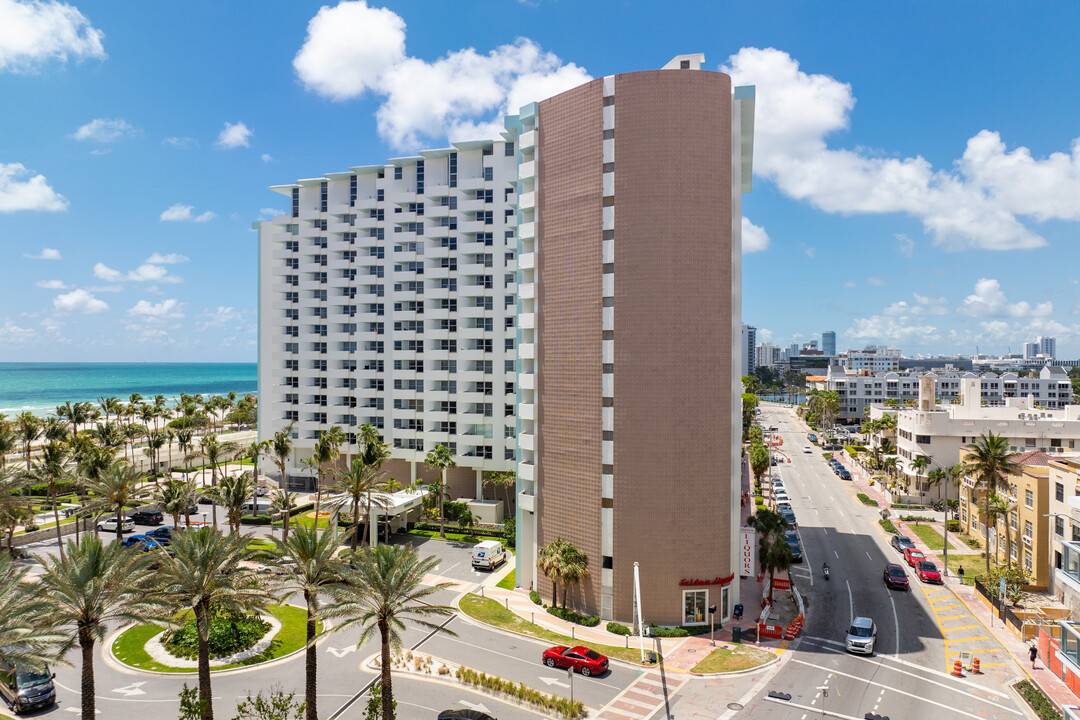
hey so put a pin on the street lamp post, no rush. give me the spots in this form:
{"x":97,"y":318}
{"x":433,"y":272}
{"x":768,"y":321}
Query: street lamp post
{"x":824,"y":694}
{"x":712,"y":630}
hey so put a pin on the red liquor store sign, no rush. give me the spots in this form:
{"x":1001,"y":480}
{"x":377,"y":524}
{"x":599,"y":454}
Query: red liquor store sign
{"x":694,"y":582}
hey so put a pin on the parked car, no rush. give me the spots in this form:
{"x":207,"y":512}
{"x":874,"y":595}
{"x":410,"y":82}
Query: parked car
{"x":807,"y":449}
{"x":781,"y":496}
{"x":587,"y":662}
{"x":788,"y":514}
{"x":792,"y":539}
{"x":844,"y":475}
{"x":205,"y":500}
{"x":109,"y":524}
{"x":928,"y":572}
{"x":861,"y":636}
{"x":133,"y":540}
{"x":162,"y":535}
{"x":25,"y":688}
{"x":147,"y":517}
{"x":895,"y":577}
{"x":913,"y":556}
{"x":900,"y":543}
{"x":464,"y":714}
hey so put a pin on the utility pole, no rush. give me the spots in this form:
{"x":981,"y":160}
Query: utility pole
{"x":637,"y":609}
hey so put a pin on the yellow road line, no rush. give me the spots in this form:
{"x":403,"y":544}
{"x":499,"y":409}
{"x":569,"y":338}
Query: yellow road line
{"x":963,"y":627}
{"x":952,"y":617}
{"x":970,"y":639}
{"x":975,"y":652}
{"x":947,"y":607}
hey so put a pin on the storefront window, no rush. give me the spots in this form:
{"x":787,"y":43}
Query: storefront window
{"x":1071,"y":564}
{"x":695,"y":603}
{"x":724,"y":604}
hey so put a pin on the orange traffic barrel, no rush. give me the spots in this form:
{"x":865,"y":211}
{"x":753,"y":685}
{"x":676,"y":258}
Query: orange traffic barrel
{"x":957,"y":670}
{"x":975,"y":666}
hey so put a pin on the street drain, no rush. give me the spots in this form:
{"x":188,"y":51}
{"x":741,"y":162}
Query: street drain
{"x":691,"y":650}
{"x":734,"y":706}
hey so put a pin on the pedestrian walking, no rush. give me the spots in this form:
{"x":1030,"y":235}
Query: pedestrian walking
{"x":960,"y":572}
{"x":1033,"y":653}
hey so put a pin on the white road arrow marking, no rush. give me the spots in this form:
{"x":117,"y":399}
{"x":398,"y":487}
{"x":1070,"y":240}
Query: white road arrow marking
{"x":79,"y":710}
{"x":549,"y":682}
{"x":340,"y":653}
{"x":132,"y":689}
{"x":480,"y":707}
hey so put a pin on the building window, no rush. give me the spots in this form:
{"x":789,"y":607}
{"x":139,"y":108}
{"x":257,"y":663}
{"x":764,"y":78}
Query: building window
{"x":1027,"y":528}
{"x":452,"y":170}
{"x":695,"y":603}
{"x":296,"y":202}
{"x":419,"y":177}
{"x":323,"y":192}
{"x":489,"y":174}
{"x":1059,"y":526}
{"x":1029,"y":498}
{"x":1059,"y":492}
{"x":397,"y":173}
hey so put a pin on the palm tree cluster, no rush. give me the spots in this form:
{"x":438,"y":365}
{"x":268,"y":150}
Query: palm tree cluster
{"x":990,"y":462}
{"x":564,"y":564}
{"x":821,"y":407}
{"x":94,"y":586}
{"x":774,"y":552}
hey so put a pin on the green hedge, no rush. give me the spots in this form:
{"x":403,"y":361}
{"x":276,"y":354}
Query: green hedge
{"x":63,"y":487}
{"x":486,"y":532}
{"x":1038,"y":702}
{"x":574,"y":617}
{"x":535,"y":597}
{"x":853,"y":450}
{"x":678,"y":631}
{"x":257,"y":520}
{"x":865,"y":500}
{"x":954,"y":526}
{"x":618,"y":628}
{"x":887,"y":526}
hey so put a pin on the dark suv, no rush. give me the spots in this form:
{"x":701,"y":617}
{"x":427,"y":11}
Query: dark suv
{"x":162,"y":534}
{"x":147,"y":517}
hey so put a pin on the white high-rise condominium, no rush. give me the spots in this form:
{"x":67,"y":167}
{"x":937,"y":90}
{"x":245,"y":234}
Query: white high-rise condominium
{"x":387,"y":296}
{"x":749,"y":348}
{"x":1047,"y":346}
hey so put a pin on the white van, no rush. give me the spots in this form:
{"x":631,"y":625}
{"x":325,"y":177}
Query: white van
{"x":261,"y":506}
{"x":488,"y":554}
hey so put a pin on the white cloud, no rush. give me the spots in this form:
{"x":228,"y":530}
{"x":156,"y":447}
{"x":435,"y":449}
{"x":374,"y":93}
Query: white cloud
{"x":185,"y":213}
{"x":52,"y":284}
{"x":352,"y":48}
{"x":32,"y":33}
{"x":165,"y":309}
{"x":146,"y":272}
{"x":10,"y":333}
{"x":892,"y":329}
{"x":106,"y":288}
{"x":849,"y":284}
{"x":810,"y":252}
{"x":179,"y":142}
{"x":103,"y":130}
{"x":219,"y":317}
{"x":170,"y":259}
{"x":20,"y":192}
{"x":974,"y":205}
{"x":270,"y":213}
{"x":79,"y":302}
{"x":989,"y":300}
{"x":234,"y":136}
{"x":874,"y":281}
{"x":45,"y":254}
{"x":754,"y":237}
{"x":905,"y":245}
{"x":267,"y":158}
{"x":923,"y":305}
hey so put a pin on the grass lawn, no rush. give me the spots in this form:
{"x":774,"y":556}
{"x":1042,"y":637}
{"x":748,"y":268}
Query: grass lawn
{"x":507,"y":583}
{"x":928,"y":535}
{"x":887,"y":526}
{"x":128,"y":647}
{"x":974,"y":566}
{"x":456,"y":537}
{"x":261,"y":544}
{"x":866,"y":500}
{"x":490,"y":612}
{"x":49,"y":526}
{"x":725,"y":659}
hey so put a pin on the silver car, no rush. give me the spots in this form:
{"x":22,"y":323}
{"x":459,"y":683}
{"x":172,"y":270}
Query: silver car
{"x":861,"y":636}
{"x":109,"y":525}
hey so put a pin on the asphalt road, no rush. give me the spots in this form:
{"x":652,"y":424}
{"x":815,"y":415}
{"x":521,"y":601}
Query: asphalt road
{"x":122,"y":691}
{"x":906,"y":676}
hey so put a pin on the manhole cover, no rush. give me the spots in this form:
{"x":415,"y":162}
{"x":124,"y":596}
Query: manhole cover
{"x":734,"y":706}
{"x":691,"y":650}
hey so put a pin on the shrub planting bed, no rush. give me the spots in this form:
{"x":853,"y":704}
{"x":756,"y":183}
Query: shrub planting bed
{"x":229,"y":634}
{"x":866,"y":500}
{"x":574,"y":617}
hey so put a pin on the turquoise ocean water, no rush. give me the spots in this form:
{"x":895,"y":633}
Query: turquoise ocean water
{"x":40,"y":387}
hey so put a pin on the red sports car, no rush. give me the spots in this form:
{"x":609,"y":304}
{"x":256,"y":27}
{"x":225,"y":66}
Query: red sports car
{"x":586,"y":661}
{"x":928,"y":572}
{"x":913,"y":556}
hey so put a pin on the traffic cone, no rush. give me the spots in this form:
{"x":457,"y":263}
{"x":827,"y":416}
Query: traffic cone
{"x":957,"y":670}
{"x":975,"y":666}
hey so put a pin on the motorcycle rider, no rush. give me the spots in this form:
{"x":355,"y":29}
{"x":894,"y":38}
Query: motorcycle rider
{"x":825,"y":569}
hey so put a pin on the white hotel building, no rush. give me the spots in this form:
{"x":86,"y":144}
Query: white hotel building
{"x":387,"y":296}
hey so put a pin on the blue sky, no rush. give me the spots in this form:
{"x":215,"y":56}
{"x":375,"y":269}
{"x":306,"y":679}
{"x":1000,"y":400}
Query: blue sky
{"x":917,"y":165}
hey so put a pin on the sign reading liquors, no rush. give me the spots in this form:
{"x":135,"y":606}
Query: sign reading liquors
{"x":747,"y":547}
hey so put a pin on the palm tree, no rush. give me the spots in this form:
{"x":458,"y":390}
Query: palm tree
{"x":12,"y":512}
{"x":154,"y":443}
{"x":203,"y":576}
{"x":9,"y":442}
{"x":284,"y":501}
{"x":988,"y":460}
{"x":548,"y":560}
{"x":573,"y":567}
{"x":918,"y":465}
{"x":24,"y":639}
{"x":110,"y":406}
{"x":326,"y":451}
{"x":175,"y":497}
{"x":356,"y":482}
{"x":183,"y":442}
{"x":29,"y":428}
{"x":215,"y":452}
{"x":117,"y":486}
{"x":310,"y":565}
{"x":95,"y":586}
{"x":759,"y":460}
{"x":55,"y":429}
{"x":281,"y":448}
{"x":232,"y":493}
{"x":1001,"y":507}
{"x":505,"y":480}
{"x":253,"y":452}
{"x":133,"y":432}
{"x":770,"y":528}
{"x":53,"y":467}
{"x":440,"y":458}
{"x":382,"y":593}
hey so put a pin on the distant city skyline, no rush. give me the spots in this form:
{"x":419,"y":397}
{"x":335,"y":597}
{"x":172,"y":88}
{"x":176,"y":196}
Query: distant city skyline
{"x":902,"y":196}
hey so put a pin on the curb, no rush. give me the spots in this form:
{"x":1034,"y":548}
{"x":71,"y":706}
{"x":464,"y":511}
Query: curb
{"x":774,"y":660}
{"x":120,"y":666}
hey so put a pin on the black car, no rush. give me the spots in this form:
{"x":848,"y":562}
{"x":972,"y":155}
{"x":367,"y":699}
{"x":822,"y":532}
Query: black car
{"x":792,"y":539}
{"x":895,"y":576}
{"x":901,"y":543}
{"x":162,"y":534}
{"x":206,"y":500}
{"x":464,"y":714}
{"x":788,"y":514}
{"x":844,"y":475}
{"x":147,"y":517}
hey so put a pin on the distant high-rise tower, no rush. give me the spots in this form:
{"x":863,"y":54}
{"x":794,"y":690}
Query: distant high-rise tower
{"x":1047,"y":346}
{"x":1031,"y":349}
{"x":749,"y":345}
{"x":828,"y":343}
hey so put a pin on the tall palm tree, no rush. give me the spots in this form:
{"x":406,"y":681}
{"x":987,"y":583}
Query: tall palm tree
{"x":9,"y":442}
{"x":506,"y":480}
{"x":232,"y":493}
{"x":93,"y":587}
{"x":55,"y":429}
{"x":214,"y":452}
{"x":183,"y":442}
{"x":548,"y":560}
{"x":204,"y":575}
{"x":918,"y":465}
{"x":12,"y":512}
{"x":284,"y":501}
{"x":117,"y":486}
{"x":281,"y":448}
{"x":154,"y":443}
{"x":1002,"y":508}
{"x":770,"y":528}
{"x":384,"y":591}
{"x":573,"y":567}
{"x":110,"y":407}
{"x":132,"y":432}
{"x":311,"y":566}
{"x":29,"y":429}
{"x":175,"y":497}
{"x":24,"y":638}
{"x":441,"y":459}
{"x":52,"y":468}
{"x":326,"y":452}
{"x":253,"y":452}
{"x":355,"y":483}
{"x":989,"y":461}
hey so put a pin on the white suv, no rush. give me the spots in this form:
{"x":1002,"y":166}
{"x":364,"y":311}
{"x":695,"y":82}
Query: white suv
{"x":861,"y":636}
{"x":109,"y":525}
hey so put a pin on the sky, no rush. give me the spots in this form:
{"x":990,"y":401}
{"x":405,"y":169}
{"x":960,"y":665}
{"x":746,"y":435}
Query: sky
{"x":916,"y":165}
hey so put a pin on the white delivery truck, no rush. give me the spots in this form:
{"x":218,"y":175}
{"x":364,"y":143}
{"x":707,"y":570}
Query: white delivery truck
{"x":488,"y":554}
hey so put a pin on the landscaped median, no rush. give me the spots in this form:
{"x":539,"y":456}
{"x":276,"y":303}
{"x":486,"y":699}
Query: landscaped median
{"x":492,"y":613}
{"x":735,"y":658}
{"x":130,"y":646}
